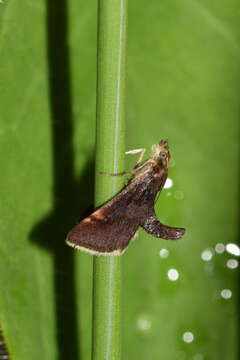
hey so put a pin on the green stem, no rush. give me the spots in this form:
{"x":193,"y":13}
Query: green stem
{"x":109,"y":159}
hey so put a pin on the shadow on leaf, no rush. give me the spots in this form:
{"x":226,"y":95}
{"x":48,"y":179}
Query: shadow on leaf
{"x":70,"y":197}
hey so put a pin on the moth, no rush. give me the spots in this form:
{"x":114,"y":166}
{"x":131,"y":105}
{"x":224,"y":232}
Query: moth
{"x":109,"y":229}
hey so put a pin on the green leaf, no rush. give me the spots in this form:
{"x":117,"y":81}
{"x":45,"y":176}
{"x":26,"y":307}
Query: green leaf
{"x":183,"y":84}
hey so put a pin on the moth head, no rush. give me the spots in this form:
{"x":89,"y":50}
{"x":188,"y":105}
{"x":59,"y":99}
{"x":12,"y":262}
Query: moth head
{"x":161,"y":152}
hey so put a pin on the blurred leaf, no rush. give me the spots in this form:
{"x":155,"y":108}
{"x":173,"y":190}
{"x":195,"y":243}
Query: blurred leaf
{"x":183,"y":84}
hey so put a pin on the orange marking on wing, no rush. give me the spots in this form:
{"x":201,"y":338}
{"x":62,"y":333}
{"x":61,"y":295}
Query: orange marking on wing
{"x":98,"y":215}
{"x":87,"y":220}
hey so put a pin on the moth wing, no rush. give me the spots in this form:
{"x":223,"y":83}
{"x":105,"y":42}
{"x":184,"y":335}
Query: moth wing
{"x":154,"y":227}
{"x":108,"y":230}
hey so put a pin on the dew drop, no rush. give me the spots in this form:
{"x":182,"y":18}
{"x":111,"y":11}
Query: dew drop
{"x":233,"y":249}
{"x":219,"y":248}
{"x":168,"y":184}
{"x":188,"y":337}
{"x":226,"y":293}
{"x":232,"y":263}
{"x":163,"y":253}
{"x":144,"y":323}
{"x":206,"y":255}
{"x":173,"y":274}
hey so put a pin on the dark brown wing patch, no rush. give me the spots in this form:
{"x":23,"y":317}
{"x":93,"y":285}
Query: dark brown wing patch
{"x":154,"y":227}
{"x":100,"y":235}
{"x":109,"y":230}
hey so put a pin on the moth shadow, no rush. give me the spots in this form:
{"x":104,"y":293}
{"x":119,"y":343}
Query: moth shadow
{"x":50,"y":234}
{"x":71,"y":198}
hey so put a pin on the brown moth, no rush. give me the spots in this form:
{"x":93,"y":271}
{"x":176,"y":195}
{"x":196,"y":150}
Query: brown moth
{"x":109,"y":229}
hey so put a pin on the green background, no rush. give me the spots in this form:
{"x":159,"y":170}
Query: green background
{"x":183,"y":83}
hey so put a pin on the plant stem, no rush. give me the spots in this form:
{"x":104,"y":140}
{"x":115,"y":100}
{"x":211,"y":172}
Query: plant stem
{"x":110,"y":159}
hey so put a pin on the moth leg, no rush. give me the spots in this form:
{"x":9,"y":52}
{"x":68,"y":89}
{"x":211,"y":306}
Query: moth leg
{"x":153,"y":226}
{"x":127,"y":173}
{"x":136,"y":151}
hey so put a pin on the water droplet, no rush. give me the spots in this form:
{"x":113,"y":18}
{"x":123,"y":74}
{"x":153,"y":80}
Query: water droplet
{"x":188,"y":337}
{"x":232,"y":263}
{"x":168,"y":184}
{"x":226,"y":293}
{"x":144,"y":323}
{"x":233,"y":249}
{"x":173,"y":274}
{"x":219,"y":248}
{"x":178,"y":195}
{"x":206,"y":255}
{"x":163,"y":253}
